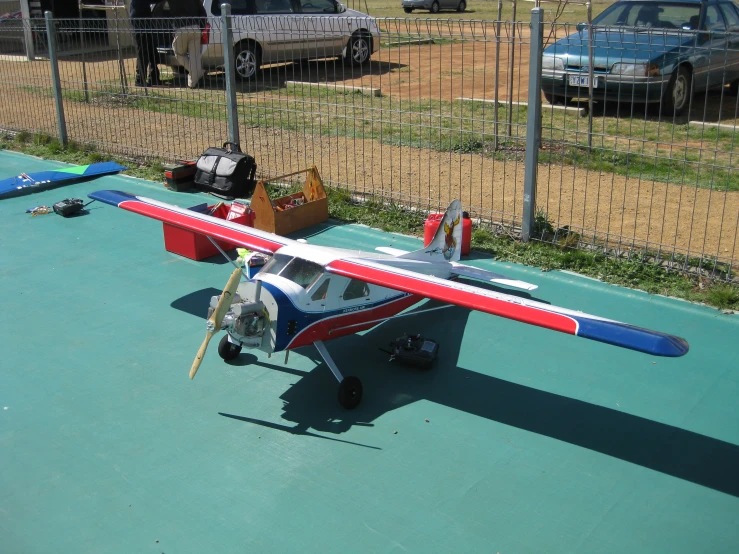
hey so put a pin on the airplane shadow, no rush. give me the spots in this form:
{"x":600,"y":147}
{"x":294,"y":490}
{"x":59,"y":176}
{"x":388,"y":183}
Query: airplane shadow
{"x":311,"y":403}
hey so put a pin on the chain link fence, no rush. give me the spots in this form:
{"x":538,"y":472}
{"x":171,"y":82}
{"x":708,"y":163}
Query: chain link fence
{"x":421,"y":111}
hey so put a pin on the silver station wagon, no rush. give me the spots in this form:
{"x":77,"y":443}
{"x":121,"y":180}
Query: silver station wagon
{"x":277,"y":31}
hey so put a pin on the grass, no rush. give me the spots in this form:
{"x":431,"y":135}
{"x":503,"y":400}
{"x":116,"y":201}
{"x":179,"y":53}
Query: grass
{"x":645,"y":147}
{"x":392,"y":217}
{"x":478,"y":9}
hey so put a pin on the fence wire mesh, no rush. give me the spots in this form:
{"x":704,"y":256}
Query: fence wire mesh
{"x":419,"y":111}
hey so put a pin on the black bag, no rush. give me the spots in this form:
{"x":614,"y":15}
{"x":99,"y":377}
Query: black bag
{"x":226,"y":172}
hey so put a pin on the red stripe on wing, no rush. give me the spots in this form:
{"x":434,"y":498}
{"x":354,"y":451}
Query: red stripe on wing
{"x":214,"y":228}
{"x":448,"y":292}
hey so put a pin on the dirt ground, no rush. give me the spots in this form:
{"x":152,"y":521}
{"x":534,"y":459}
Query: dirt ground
{"x":630,"y":211}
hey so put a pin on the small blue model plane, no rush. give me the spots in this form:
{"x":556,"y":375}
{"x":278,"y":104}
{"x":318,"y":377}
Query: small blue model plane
{"x":42,"y":180}
{"x":308,"y":294}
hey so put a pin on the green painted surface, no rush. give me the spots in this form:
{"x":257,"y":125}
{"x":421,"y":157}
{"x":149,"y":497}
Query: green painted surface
{"x":76,"y":169}
{"x":535,"y":441}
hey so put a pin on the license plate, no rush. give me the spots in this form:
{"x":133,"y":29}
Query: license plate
{"x":578,"y":81}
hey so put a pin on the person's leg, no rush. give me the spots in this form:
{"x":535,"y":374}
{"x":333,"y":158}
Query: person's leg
{"x":180,"y":46}
{"x":153,"y":59}
{"x":141,"y":49}
{"x":195,"y":57}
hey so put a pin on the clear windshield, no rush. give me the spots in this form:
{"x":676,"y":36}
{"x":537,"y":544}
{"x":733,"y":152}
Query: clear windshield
{"x":651,"y":15}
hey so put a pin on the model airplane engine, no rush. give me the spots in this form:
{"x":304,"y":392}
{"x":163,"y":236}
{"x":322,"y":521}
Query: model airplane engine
{"x":244,"y":321}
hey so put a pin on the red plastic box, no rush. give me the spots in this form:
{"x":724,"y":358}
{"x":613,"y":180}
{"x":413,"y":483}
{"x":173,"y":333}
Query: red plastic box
{"x":432,"y":224}
{"x":198,"y":247}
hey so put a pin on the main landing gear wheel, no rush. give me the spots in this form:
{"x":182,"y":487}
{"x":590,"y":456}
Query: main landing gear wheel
{"x":227,"y":350}
{"x":350,"y":392}
{"x":350,"y":388}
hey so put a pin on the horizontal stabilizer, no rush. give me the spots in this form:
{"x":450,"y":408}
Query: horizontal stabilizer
{"x":484,"y":275}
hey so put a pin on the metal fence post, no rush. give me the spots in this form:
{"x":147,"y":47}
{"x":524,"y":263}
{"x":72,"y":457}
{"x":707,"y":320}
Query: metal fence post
{"x":511,"y":63}
{"x":55,"y":82}
{"x":533,"y":124}
{"x":27,"y":32}
{"x":228,"y":61}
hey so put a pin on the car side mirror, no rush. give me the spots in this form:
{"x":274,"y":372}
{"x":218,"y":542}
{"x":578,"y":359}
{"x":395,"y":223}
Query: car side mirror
{"x":582,"y":26}
{"x":340,"y":8}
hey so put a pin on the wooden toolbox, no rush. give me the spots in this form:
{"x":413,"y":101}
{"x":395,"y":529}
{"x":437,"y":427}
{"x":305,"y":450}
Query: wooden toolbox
{"x":292,"y":212}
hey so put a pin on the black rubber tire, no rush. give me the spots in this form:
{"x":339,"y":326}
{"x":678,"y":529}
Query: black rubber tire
{"x":408,"y":10}
{"x":434,"y":7}
{"x":677,"y":96}
{"x":350,"y":393}
{"x":555,"y":99}
{"x":462,"y":6}
{"x":228,"y":351}
{"x":247,"y":60}
{"x":359,"y":49}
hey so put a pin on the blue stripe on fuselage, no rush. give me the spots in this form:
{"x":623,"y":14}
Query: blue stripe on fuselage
{"x":287,"y":311}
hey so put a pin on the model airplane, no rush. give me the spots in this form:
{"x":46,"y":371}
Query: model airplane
{"x":308,"y":294}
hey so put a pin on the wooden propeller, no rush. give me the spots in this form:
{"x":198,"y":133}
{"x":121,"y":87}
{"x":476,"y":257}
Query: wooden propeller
{"x":215,"y":320}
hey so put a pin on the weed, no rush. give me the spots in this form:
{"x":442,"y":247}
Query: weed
{"x":637,"y":272}
{"x":723,"y":296}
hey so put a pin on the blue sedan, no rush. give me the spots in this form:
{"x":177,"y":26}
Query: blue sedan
{"x":650,"y":51}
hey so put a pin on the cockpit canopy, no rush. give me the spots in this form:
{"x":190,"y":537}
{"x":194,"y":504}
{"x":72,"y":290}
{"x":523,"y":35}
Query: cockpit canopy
{"x":299,"y":271}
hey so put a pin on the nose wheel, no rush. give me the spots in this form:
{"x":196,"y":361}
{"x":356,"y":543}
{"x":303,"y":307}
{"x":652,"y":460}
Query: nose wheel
{"x":350,"y":388}
{"x":227,"y":350}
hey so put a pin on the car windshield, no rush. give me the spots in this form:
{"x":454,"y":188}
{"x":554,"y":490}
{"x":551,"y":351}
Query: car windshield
{"x":651,"y":15}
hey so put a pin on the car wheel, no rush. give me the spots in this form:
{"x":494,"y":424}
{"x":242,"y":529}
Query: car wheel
{"x":247,"y":60}
{"x":462,"y":6}
{"x":555,"y":99}
{"x":677,"y":96}
{"x":434,"y":7}
{"x":359,"y":49}
{"x":408,"y":10}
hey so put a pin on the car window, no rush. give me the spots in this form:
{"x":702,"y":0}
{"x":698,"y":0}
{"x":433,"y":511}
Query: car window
{"x":318,"y":6}
{"x":273,"y":6}
{"x":714,"y":21}
{"x":238,"y":7}
{"x":356,"y":289}
{"x":651,"y":15}
{"x":730,"y":14}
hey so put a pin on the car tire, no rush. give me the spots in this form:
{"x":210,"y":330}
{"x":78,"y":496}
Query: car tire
{"x":408,"y":10}
{"x":677,"y":96}
{"x":555,"y":99}
{"x":359,"y":49}
{"x":247,"y":59}
{"x":434,"y":7}
{"x":462,"y":6}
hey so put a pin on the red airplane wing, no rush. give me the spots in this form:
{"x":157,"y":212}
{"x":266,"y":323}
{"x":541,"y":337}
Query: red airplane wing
{"x":512,"y":307}
{"x":220,"y":229}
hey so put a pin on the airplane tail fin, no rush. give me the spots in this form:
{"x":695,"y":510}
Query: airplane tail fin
{"x":447,"y":242}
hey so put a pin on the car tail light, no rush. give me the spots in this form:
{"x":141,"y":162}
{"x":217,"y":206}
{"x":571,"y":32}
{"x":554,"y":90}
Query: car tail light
{"x":205,"y":37}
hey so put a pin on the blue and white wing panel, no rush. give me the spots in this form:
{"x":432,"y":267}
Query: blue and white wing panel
{"x":220,"y":229}
{"x":512,"y":307}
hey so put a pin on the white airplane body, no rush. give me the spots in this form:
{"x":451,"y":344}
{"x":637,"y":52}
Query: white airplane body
{"x":308,"y":294}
